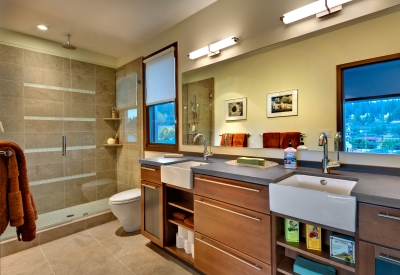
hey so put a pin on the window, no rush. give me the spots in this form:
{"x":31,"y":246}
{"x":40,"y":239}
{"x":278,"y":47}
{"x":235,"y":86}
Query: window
{"x":160,"y":90}
{"x":369,"y":110}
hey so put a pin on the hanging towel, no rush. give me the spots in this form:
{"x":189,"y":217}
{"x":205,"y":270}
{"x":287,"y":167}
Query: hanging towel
{"x":226,"y":139}
{"x":294,"y":136}
{"x":271,"y":140}
{"x":18,"y":182}
{"x":223,"y":140}
{"x":239,"y":140}
{"x":4,"y":218}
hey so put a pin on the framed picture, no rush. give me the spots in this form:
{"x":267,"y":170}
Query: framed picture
{"x":282,"y":104}
{"x":236,"y":109}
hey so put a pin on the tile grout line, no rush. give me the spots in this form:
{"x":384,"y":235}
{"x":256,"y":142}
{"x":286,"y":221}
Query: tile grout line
{"x":110,"y":252}
{"x":40,"y":246}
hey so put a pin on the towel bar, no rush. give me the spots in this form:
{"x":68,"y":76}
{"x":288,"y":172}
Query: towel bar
{"x":6,"y":153}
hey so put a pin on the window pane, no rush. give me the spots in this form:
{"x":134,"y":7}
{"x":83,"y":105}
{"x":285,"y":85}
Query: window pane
{"x":372,"y":126}
{"x":162,"y":123}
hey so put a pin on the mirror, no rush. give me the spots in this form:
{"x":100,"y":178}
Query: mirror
{"x":307,"y":65}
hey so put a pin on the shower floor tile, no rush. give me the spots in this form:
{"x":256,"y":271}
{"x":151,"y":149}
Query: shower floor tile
{"x":104,"y":249}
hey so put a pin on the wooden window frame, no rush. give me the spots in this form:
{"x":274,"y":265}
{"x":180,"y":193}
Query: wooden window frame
{"x":159,"y":147}
{"x":339,"y":85}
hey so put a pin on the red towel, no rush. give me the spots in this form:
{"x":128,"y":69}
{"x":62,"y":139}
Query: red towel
{"x":294,"y":136}
{"x":189,"y":221}
{"x":271,"y":140}
{"x":222,"y":143}
{"x":239,"y":140}
{"x":226,"y":138}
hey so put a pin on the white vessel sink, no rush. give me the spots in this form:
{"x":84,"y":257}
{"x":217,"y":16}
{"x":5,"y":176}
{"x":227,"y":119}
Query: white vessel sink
{"x":306,"y":198}
{"x":179,"y":174}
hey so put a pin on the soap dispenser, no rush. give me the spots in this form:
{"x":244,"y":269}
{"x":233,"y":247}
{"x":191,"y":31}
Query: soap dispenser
{"x":290,"y":158}
{"x":302,"y":146}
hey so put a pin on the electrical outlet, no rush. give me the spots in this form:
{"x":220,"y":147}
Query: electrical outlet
{"x":328,"y":132}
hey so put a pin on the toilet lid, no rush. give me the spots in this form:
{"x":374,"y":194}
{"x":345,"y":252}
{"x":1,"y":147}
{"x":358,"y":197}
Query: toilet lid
{"x":126,"y":196}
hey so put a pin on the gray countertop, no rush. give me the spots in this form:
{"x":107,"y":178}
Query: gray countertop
{"x":371,"y":188}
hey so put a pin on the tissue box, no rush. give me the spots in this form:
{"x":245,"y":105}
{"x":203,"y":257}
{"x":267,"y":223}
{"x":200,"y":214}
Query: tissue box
{"x":313,"y":237}
{"x":291,"y":230}
{"x":342,"y":247}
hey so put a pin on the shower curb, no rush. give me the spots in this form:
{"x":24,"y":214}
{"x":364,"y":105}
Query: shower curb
{"x":46,"y":235}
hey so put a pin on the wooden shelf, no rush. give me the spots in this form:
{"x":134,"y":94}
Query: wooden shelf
{"x":182,"y":224}
{"x":285,"y":266}
{"x":180,"y":252}
{"x":321,"y":256}
{"x":184,"y":205}
{"x":110,"y":118}
{"x":180,"y":188}
{"x":112,"y":145}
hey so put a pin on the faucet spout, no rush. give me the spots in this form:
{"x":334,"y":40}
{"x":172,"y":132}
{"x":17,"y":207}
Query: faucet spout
{"x":206,"y":154}
{"x":323,"y":141}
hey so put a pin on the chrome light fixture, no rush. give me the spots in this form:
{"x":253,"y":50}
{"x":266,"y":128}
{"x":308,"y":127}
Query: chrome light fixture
{"x":320,"y":8}
{"x":214,"y":49}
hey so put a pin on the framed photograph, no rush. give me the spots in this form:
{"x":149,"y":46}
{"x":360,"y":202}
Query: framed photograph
{"x":282,"y":104}
{"x":236,"y":109}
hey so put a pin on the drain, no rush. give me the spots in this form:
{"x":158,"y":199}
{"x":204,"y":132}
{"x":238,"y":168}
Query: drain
{"x":70,"y":216}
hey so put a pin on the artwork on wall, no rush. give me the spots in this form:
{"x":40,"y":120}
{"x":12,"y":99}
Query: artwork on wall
{"x":236,"y":109}
{"x":282,"y":104}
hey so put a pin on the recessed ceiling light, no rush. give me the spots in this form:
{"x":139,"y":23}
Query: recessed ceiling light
{"x":42,"y":27}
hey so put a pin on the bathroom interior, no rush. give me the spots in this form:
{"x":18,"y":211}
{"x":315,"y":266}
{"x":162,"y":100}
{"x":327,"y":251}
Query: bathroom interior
{"x":81,"y":118}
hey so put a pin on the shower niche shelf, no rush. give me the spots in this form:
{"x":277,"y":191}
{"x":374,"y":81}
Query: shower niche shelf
{"x":112,"y":145}
{"x":116,"y":120}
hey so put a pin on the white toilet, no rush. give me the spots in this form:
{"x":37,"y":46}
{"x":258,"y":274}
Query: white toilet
{"x":126,"y":207}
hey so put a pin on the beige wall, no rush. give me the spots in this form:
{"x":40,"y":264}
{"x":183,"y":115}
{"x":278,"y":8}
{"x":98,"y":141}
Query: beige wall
{"x":310,"y":67}
{"x":24,"y":41}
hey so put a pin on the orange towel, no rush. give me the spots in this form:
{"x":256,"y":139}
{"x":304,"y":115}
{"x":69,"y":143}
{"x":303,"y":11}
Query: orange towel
{"x":19,"y":198}
{"x":222,"y":143}
{"x":271,"y":140}
{"x":239,"y":140}
{"x":294,"y":136}
{"x":4,"y":218}
{"x":179,"y":215}
{"x":189,"y":221}
{"x":226,"y":138}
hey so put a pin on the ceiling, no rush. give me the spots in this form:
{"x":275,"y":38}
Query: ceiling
{"x":111,"y":27}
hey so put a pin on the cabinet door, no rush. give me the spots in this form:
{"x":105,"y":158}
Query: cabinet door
{"x":212,"y":257}
{"x":242,"y":229}
{"x":152,"y":212}
{"x":368,"y":253}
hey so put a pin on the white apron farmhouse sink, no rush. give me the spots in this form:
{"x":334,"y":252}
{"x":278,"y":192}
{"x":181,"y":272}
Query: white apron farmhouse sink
{"x":322,"y":200}
{"x":179,"y":174}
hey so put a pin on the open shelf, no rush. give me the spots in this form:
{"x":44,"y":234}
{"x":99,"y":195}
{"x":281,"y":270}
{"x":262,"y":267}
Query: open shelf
{"x":285,"y":266}
{"x":180,"y":252}
{"x":183,"y":204}
{"x":112,"y":145}
{"x":321,"y":256}
{"x":181,"y":224}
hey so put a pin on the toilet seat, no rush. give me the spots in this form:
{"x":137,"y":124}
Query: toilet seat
{"x":125,"y":197}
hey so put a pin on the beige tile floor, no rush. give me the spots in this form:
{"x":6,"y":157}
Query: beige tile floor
{"x":101,"y":250}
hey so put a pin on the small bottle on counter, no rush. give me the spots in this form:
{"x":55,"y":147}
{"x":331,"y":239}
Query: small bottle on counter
{"x":116,"y":139}
{"x":290,"y":158}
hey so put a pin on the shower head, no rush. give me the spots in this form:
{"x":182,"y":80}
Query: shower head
{"x":68,"y":45}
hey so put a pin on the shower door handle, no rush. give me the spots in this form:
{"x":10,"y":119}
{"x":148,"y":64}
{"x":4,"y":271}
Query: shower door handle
{"x":64,"y":145}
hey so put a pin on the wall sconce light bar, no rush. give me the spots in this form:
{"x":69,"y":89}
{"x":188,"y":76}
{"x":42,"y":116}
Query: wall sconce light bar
{"x":214,"y":49}
{"x":320,"y":7}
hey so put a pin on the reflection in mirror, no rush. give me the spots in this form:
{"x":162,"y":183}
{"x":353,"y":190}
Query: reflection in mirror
{"x":198,"y":111}
{"x":308,"y":65}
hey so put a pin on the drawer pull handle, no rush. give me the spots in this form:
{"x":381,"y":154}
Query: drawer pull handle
{"x":388,"y":258}
{"x":389,"y":217}
{"x":230,"y":185}
{"x":150,"y":169}
{"x":230,"y":211}
{"x":149,"y":186}
{"x":240,"y":260}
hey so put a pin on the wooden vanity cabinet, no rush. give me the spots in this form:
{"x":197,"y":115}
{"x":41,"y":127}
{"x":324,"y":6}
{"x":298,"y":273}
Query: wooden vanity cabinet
{"x":152,"y":214}
{"x":232,"y":226}
{"x":379,"y":230}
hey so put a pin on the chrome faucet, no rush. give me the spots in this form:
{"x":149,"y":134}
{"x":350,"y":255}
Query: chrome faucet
{"x":323,"y":141}
{"x":206,"y":154}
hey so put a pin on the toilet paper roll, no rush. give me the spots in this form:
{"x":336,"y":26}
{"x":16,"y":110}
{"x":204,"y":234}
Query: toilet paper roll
{"x":191,"y":236}
{"x":188,"y":247}
{"x":182,"y":232}
{"x":179,"y":242}
{"x":193,"y":250}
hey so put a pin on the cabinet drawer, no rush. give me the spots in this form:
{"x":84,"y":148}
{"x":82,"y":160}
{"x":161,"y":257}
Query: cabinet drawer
{"x":239,"y":228}
{"x":369,"y":252}
{"x":380,"y":225}
{"x":151,"y":174}
{"x":212,"y":257}
{"x":247,"y":195}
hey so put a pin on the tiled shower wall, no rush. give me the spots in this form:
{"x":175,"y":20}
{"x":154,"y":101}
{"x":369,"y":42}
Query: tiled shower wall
{"x":130,"y":107}
{"x":42,"y":98}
